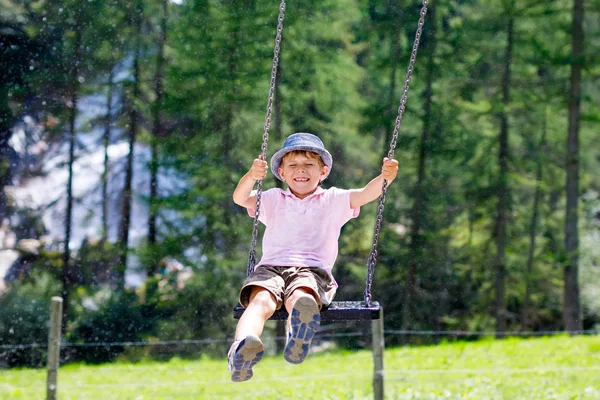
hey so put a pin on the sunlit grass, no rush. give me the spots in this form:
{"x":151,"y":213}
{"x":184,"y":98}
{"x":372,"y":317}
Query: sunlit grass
{"x":542,"y":368}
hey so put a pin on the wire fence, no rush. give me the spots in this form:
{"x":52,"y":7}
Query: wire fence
{"x":321,"y":335}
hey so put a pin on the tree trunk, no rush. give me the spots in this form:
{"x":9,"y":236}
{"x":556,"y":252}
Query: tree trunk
{"x":416,"y":242}
{"x":6,"y":117}
{"x":395,"y":15}
{"x":525,"y":325}
{"x":68,"y":280}
{"x":157,"y":133}
{"x":106,"y":144}
{"x":133,"y":130}
{"x":572,"y":309}
{"x":227,"y":136}
{"x":277,"y":126}
{"x":502,"y":206}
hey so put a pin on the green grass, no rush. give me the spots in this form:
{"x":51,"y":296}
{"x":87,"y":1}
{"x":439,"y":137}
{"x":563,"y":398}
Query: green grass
{"x":542,"y":368}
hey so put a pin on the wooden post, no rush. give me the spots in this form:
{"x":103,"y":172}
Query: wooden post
{"x":378,"y":347}
{"x":54,"y":347}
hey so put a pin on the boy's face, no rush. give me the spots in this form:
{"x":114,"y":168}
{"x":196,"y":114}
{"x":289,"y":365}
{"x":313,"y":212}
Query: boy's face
{"x":302,"y":173}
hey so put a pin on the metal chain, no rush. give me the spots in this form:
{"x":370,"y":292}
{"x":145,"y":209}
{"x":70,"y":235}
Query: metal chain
{"x":263,"y":154}
{"x":373,"y":256}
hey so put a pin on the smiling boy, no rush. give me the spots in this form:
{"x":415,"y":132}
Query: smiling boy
{"x":300,"y":246}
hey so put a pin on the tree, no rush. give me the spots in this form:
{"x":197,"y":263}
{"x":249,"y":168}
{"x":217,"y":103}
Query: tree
{"x":158,"y":131}
{"x":503,"y":184}
{"x":417,"y":242}
{"x":133,"y":94}
{"x":18,"y":52}
{"x":572,"y":307}
{"x":68,"y":278}
{"x":106,"y":142}
{"x":537,"y":197}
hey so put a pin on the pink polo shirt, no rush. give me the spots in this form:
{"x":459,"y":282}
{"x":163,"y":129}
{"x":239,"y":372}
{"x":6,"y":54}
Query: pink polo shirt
{"x":303,"y":232}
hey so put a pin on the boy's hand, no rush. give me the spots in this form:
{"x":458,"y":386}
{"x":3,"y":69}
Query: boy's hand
{"x":258,"y":171}
{"x":389,"y":169}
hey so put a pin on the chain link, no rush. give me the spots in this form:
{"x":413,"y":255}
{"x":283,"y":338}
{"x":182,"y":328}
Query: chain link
{"x":372,"y":261}
{"x":263,"y":154}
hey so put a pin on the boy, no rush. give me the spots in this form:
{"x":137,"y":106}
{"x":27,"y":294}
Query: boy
{"x":299,"y":248}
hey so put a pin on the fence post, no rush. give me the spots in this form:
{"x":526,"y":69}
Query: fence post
{"x":54,"y":347}
{"x":378,"y":347}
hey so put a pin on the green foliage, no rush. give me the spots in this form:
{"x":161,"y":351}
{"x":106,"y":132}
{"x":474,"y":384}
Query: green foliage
{"x":108,"y":317}
{"x":202,"y":308}
{"x":590,"y":273}
{"x":93,"y":264}
{"x":25,"y":320}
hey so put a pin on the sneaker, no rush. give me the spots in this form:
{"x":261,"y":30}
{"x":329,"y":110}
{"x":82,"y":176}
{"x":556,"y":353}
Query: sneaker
{"x":243,"y":355}
{"x":303,"y":323}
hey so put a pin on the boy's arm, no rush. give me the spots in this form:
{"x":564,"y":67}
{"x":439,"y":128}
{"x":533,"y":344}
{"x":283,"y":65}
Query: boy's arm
{"x":360,"y":197}
{"x":243,"y":195}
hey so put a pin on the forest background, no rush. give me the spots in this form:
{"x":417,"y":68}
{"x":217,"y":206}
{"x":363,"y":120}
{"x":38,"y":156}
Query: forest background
{"x":493,"y":223}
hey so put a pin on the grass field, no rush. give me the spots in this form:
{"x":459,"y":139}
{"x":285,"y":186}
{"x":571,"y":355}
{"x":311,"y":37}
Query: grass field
{"x":542,"y":368}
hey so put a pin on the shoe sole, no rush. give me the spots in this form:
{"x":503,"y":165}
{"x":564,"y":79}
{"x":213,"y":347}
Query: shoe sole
{"x":304,"y":323}
{"x":248,"y":354}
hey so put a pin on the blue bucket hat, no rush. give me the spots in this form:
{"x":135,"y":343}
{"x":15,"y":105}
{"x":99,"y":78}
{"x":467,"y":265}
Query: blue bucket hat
{"x":302,"y":142}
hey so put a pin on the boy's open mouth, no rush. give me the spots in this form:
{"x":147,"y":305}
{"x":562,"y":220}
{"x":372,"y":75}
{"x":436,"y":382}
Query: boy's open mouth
{"x":301,"y":179}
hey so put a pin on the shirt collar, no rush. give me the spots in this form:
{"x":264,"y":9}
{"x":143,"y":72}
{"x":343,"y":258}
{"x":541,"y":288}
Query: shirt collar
{"x":317,"y":192}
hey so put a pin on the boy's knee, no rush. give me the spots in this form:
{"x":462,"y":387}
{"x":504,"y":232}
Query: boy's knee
{"x":261,"y":297}
{"x":303,"y":291}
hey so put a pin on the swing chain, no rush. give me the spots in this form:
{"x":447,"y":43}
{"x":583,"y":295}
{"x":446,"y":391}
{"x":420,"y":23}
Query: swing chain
{"x":263,"y":154}
{"x":373,"y":256}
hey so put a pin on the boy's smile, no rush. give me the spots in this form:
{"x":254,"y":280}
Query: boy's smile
{"x":302,"y":174}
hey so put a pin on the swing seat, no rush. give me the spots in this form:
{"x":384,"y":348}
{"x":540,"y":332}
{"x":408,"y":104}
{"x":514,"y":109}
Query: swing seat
{"x":337,"y":311}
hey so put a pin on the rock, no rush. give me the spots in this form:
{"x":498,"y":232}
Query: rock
{"x":7,"y":259}
{"x":29,"y":246}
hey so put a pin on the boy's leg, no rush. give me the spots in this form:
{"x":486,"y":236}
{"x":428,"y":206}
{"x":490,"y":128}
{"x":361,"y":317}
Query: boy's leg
{"x":303,"y":323}
{"x":260,"y":308}
{"x":248,"y":349}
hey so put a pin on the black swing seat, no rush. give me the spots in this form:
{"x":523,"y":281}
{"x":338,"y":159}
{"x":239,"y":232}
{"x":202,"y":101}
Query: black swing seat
{"x":337,"y":311}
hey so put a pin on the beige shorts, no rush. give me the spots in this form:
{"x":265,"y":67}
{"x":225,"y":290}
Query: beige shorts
{"x":282,"y":281}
